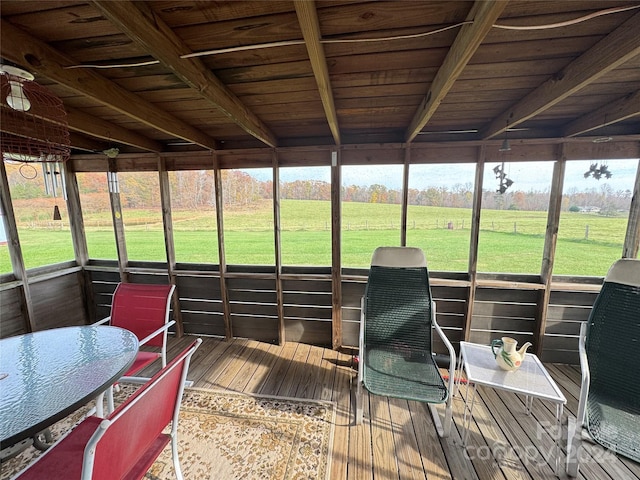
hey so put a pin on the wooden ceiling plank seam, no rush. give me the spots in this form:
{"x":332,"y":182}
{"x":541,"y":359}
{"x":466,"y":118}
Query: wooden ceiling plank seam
{"x":484,"y":15}
{"x":38,"y":57}
{"x":162,"y":43}
{"x":612,"y":51}
{"x":310,"y":26}
{"x":614,"y":112}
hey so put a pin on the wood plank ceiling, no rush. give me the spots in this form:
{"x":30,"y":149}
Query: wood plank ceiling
{"x":237,"y":74}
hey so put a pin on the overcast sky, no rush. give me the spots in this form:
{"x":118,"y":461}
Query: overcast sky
{"x":527,"y":176}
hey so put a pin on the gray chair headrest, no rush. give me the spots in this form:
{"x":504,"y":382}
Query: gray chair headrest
{"x":398,"y":257}
{"x":625,"y":271}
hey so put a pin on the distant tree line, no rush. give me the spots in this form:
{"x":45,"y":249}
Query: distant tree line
{"x":195,"y":189}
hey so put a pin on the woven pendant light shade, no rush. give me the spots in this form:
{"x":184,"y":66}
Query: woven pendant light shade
{"x":34,"y":122}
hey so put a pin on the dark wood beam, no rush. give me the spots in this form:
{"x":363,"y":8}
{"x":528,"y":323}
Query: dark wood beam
{"x":76,"y":120}
{"x":36,"y":56}
{"x":96,"y":127}
{"x":156,"y":38}
{"x":169,"y":243}
{"x":308,"y":20}
{"x":222,"y":261}
{"x":15,"y":251}
{"x":473,"y":243}
{"x":484,"y":15}
{"x":612,"y":51}
{"x":618,"y":111}
{"x":82,"y":142}
{"x":549,"y":252}
{"x":277,"y":240}
{"x":336,"y":252}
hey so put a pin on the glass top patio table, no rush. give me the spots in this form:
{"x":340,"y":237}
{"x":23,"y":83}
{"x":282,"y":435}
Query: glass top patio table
{"x":46,"y":375}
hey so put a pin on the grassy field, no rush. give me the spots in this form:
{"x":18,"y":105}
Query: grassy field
{"x":510,"y":241}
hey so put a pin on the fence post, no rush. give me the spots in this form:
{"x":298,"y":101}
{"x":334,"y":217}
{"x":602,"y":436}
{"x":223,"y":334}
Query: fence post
{"x":515,"y":228}
{"x":586,"y":232}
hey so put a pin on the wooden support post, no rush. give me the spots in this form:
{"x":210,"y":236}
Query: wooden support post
{"x":473,"y":244}
{"x":278,"y":248}
{"x":405,"y":195}
{"x":116,"y":215}
{"x":15,"y":251}
{"x":548,"y":256}
{"x":632,"y":237}
{"x":224,"y":296}
{"x":76,"y":223}
{"x":167,"y":223}
{"x":336,"y":263}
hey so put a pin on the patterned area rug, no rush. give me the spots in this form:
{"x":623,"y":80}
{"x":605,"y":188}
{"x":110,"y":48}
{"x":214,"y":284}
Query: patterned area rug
{"x":229,"y":435}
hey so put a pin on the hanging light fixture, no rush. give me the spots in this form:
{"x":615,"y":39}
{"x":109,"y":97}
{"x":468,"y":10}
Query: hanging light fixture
{"x":16,"y":98}
{"x":34,"y":126}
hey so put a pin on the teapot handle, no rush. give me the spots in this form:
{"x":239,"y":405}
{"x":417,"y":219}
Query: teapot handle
{"x":495,"y":343}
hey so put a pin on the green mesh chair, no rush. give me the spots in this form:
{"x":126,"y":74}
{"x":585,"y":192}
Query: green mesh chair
{"x":609,"y":408}
{"x":397,"y":321}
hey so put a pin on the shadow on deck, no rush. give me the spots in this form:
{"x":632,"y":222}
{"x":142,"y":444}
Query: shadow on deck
{"x":397,"y":438}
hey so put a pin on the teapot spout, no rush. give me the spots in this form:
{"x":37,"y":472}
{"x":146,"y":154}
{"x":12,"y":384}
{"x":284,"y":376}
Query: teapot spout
{"x":523,"y":349}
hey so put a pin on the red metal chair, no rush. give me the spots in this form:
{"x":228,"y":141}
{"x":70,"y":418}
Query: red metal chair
{"x":128,"y":441}
{"x":144,"y":310}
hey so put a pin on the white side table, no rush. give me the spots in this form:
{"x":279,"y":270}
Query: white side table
{"x":531,"y":380}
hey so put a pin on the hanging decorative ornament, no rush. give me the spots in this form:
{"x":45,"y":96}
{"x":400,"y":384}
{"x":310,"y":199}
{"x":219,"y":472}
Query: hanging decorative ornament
{"x":598,"y":172}
{"x":503,"y":181}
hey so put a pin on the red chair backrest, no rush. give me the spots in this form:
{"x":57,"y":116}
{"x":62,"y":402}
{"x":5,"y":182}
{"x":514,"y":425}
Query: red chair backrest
{"x":141,"y":309}
{"x":139,"y":421}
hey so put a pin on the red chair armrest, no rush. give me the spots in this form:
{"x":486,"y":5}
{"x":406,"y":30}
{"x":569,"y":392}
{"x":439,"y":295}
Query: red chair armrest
{"x":157,"y":332}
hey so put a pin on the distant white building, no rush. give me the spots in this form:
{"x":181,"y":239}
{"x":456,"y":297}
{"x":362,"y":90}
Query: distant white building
{"x":589,"y":209}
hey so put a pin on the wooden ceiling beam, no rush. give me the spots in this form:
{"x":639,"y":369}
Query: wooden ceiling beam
{"x":76,"y":121}
{"x":609,"y":53}
{"x":38,"y":57}
{"x":96,"y":127}
{"x":80,"y":142}
{"x":483,"y":15}
{"x":158,"y":40}
{"x":308,"y":20}
{"x":618,"y":111}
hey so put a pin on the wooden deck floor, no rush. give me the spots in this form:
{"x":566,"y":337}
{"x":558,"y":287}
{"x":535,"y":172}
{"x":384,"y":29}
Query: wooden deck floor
{"x":397,"y":439}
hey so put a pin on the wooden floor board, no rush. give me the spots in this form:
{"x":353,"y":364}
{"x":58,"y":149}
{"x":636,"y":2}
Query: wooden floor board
{"x":379,"y":425}
{"x":479,"y":447}
{"x":434,"y":461}
{"x":258,"y":350}
{"x":344,"y":420}
{"x":360,"y":445}
{"x":397,"y":439}
{"x":404,"y":436}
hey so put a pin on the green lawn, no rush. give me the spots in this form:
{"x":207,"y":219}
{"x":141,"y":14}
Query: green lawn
{"x":510,"y":241}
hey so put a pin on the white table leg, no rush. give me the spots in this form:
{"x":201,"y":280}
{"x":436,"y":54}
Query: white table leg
{"x":558,"y":434}
{"x":528,"y":402}
{"x":459,"y":375}
{"x":468,"y":412}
